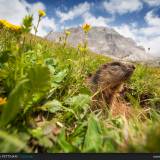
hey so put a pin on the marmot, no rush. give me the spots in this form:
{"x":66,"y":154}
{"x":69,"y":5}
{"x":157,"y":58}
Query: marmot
{"x":106,"y":84}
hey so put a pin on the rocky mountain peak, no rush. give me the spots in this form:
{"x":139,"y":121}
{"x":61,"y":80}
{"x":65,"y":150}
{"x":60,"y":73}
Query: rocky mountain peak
{"x":106,"y":41}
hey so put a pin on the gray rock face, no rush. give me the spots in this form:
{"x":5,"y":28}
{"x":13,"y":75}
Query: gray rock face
{"x":105,"y":41}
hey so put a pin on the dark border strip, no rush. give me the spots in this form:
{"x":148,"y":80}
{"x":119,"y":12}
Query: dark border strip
{"x":80,"y":156}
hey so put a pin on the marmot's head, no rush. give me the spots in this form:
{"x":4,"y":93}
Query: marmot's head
{"x":112,"y":74}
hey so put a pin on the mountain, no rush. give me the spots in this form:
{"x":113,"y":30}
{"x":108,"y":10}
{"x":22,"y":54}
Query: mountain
{"x":106,"y":41}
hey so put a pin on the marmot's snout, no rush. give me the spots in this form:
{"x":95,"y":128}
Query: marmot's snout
{"x":131,"y":67}
{"x":130,"y":70}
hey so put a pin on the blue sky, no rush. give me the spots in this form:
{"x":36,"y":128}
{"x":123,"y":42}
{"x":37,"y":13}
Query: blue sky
{"x":136,"y":19}
{"x":98,"y":9}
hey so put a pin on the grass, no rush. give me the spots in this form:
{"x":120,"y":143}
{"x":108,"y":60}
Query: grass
{"x":45,"y":104}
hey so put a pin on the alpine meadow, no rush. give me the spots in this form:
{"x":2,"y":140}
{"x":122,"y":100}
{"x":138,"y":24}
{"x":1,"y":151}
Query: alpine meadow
{"x":46,"y":104}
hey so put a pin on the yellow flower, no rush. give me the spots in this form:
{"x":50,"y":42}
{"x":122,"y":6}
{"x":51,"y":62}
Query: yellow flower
{"x":2,"y":21}
{"x":67,"y":33}
{"x":41,"y":13}
{"x":81,"y":48}
{"x":15,"y":28}
{"x":3,"y":101}
{"x":9,"y":25}
{"x":86,"y":27}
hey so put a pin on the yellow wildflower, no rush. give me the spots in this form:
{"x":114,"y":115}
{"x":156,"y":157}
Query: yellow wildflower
{"x":9,"y":25}
{"x":2,"y":21}
{"x":15,"y":28}
{"x":3,"y":101}
{"x":81,"y":48}
{"x":67,"y":33}
{"x":41,"y":13}
{"x":86,"y":27}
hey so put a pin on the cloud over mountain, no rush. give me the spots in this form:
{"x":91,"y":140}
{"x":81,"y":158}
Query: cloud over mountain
{"x":17,"y":9}
{"x":122,"y":7}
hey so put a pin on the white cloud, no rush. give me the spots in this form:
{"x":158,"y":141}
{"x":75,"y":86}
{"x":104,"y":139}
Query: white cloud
{"x":152,"y":2}
{"x":126,"y":31}
{"x":74,"y":12}
{"x":148,"y":36}
{"x":96,"y":21}
{"x":122,"y":6}
{"x":150,"y":31}
{"x":152,"y":19}
{"x":15,"y":11}
{"x":153,"y":44}
{"x":46,"y":25}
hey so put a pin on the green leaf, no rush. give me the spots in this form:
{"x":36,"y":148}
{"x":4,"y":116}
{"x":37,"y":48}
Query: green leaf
{"x":51,"y":69}
{"x":4,"y":56}
{"x":37,"y":132}
{"x":45,"y":142}
{"x":50,"y":62}
{"x":39,"y":77}
{"x":12,"y":142}
{"x":60,"y":76}
{"x":153,"y":139}
{"x":14,"y":102}
{"x":77,"y":137}
{"x":66,"y":147}
{"x":79,"y":104}
{"x":52,"y":106}
{"x":93,"y":139}
{"x":78,"y":101}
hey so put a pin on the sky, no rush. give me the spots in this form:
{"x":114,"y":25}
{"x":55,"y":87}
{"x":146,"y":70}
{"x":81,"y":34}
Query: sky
{"x":136,"y":19}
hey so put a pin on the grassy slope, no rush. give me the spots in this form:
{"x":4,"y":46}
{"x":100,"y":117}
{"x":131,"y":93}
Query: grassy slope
{"x":46,"y":82}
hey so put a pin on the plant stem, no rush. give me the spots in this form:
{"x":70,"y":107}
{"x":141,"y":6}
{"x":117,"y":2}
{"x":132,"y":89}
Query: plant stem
{"x":36,"y":28}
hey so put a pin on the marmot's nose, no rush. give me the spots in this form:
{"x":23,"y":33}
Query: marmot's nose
{"x":131,"y":67}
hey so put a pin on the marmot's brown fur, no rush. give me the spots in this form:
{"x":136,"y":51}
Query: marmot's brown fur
{"x":106,"y":85}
